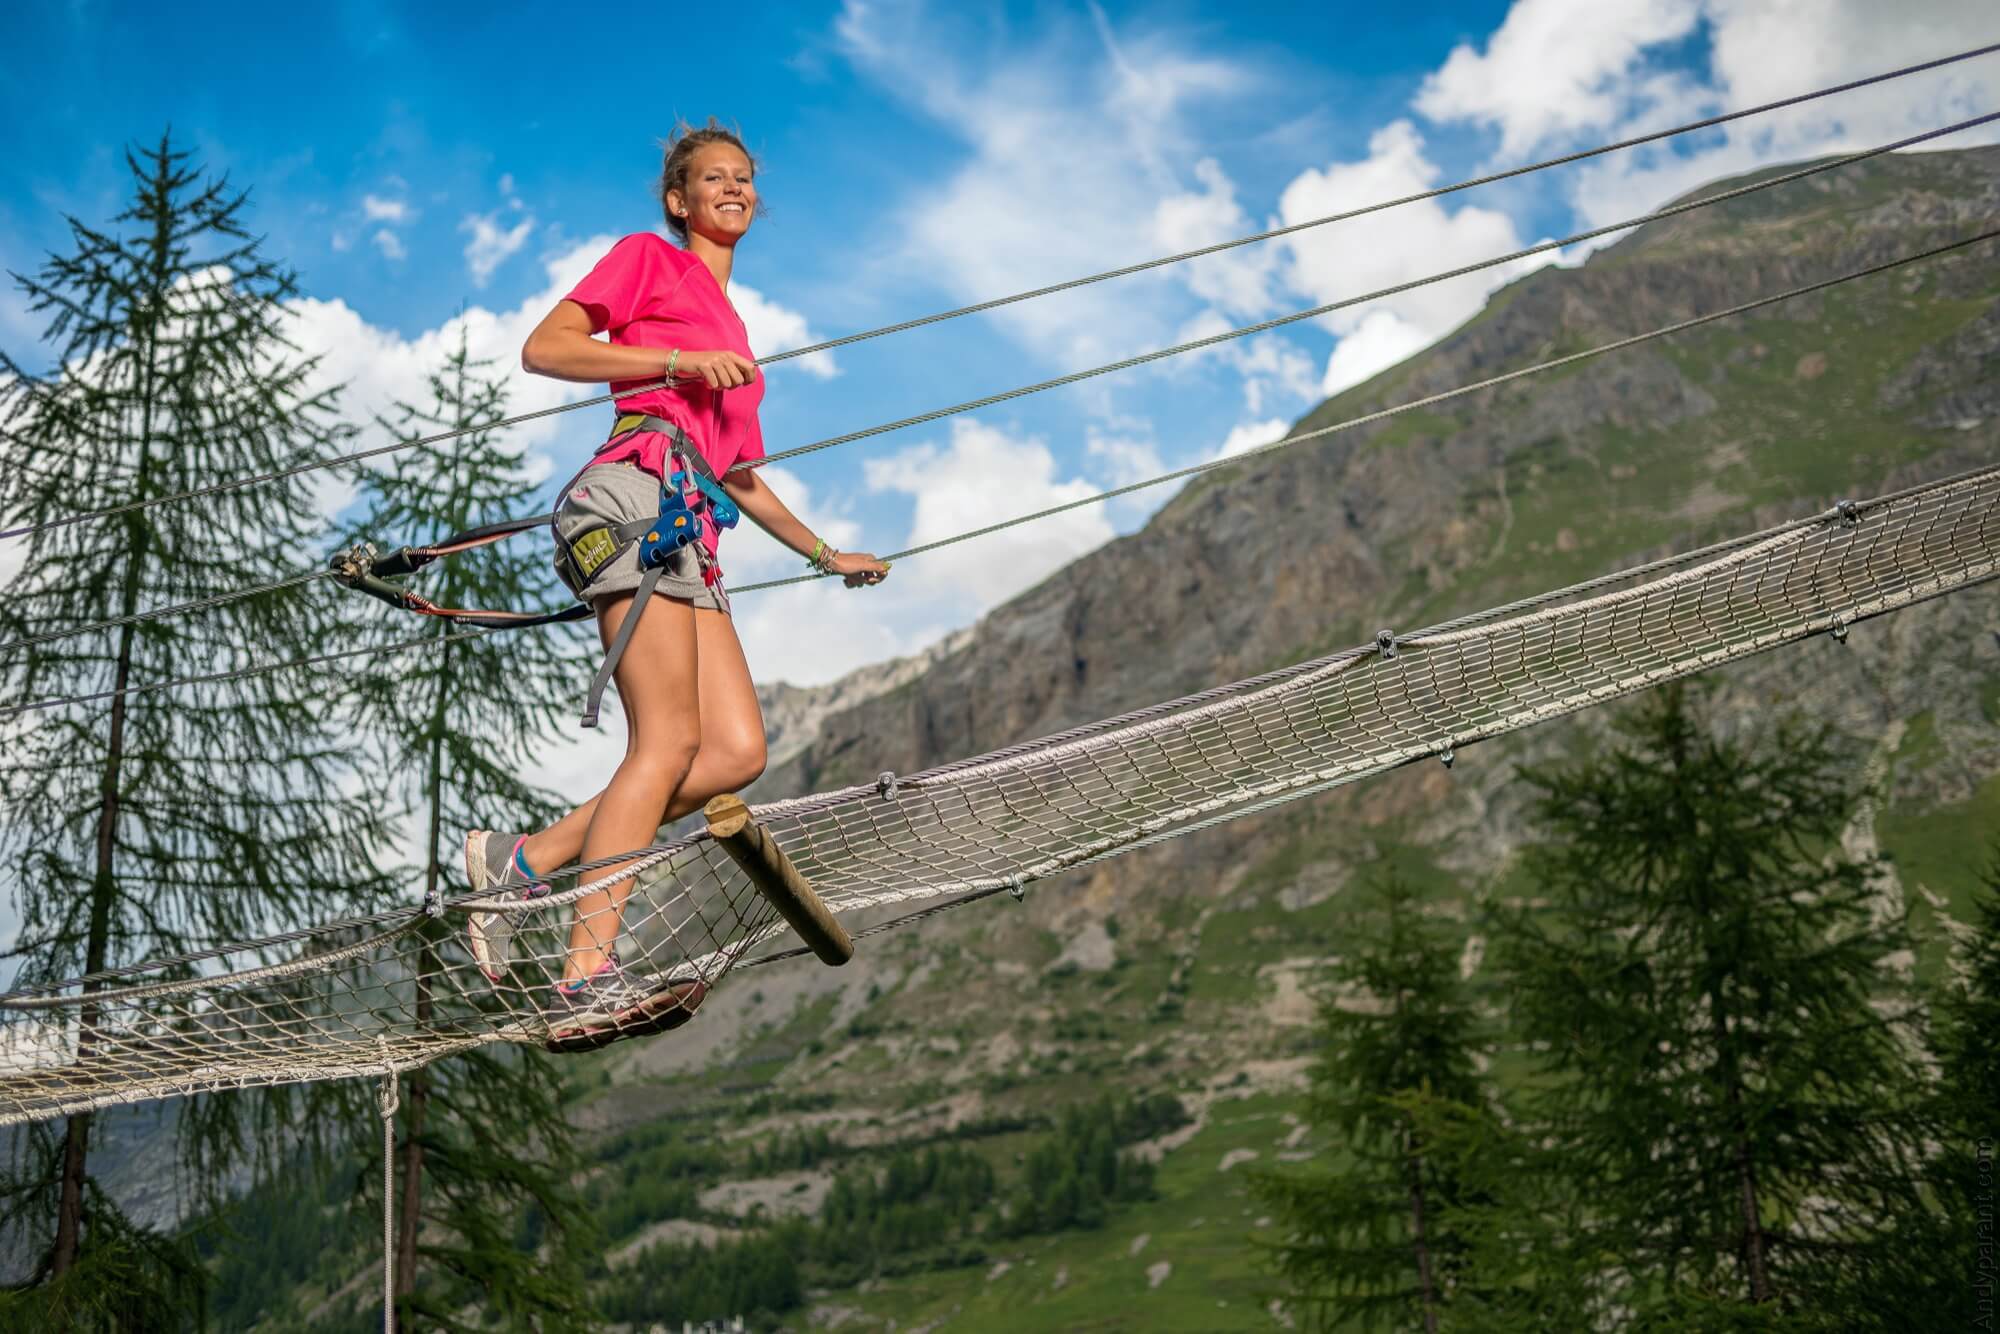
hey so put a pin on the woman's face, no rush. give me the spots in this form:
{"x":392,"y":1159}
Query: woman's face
{"x":720,"y":197}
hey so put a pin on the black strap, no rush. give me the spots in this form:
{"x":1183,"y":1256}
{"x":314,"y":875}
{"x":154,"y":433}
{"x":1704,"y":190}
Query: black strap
{"x":641,"y":598}
{"x":631,"y":423}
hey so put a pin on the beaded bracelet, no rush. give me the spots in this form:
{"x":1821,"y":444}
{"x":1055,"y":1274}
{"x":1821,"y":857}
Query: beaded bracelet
{"x":823,"y":557}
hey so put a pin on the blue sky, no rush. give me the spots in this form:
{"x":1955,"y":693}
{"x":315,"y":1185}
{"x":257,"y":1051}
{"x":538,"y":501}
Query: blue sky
{"x":416,"y":162}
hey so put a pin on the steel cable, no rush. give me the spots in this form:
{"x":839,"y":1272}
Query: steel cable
{"x":1177,"y":474}
{"x":28,"y":530}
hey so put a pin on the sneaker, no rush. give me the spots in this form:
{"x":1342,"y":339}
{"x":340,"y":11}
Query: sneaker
{"x":611,"y":1003}
{"x":496,"y":868}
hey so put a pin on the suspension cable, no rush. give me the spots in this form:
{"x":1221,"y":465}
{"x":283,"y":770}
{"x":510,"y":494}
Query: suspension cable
{"x":1440,"y":191}
{"x":502,"y":423}
{"x":1075,"y":377}
{"x":1211,"y":465}
{"x":1195,"y":470}
{"x":1540,"y":248}
{"x":177,"y":609}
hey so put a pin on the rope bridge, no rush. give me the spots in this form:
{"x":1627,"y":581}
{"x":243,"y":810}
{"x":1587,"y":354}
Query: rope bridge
{"x":374,"y":996}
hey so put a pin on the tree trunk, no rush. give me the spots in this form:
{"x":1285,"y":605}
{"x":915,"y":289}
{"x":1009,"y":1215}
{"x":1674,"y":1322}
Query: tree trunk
{"x":1419,"y":1241}
{"x":427,"y":963}
{"x":1753,"y":1242}
{"x":410,"y":1212}
{"x":76,"y":1134}
{"x":104,"y":888}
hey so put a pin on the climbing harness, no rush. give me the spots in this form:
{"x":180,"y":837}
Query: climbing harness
{"x":690,"y":496}
{"x":691,"y":493}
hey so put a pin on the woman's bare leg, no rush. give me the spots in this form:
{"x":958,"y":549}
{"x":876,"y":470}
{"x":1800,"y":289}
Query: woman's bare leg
{"x":732,"y":743}
{"x":659,"y":684}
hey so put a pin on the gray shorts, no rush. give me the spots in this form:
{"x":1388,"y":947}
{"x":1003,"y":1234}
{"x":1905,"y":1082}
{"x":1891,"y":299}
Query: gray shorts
{"x":616,"y":493}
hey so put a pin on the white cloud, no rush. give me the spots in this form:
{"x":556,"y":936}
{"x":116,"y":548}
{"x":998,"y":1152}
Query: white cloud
{"x":1275,"y":370}
{"x":1383,"y":249}
{"x":776,"y":328}
{"x":379,"y":367}
{"x":389,"y":244}
{"x":1238,"y":281}
{"x":983,"y":475}
{"x":1069,"y":143}
{"x":1250,"y":435}
{"x":1125,"y":459}
{"x":1553,"y":68}
{"x":492,"y":245}
{"x":1757,"y":51}
{"x":1381,"y":339}
{"x":375,"y":208}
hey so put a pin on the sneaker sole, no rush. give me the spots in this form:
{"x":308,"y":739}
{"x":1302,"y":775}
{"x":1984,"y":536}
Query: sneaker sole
{"x":666,"y":1009}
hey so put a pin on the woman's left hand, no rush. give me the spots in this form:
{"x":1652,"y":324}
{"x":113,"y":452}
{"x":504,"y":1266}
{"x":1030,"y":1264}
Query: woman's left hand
{"x":859,"y":568}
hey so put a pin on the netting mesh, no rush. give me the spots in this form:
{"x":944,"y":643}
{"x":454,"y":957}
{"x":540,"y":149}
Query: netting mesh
{"x":393,"y":993}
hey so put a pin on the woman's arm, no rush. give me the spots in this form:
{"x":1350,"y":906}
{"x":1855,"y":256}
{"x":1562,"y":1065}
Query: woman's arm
{"x":561,"y":347}
{"x":761,"y":503}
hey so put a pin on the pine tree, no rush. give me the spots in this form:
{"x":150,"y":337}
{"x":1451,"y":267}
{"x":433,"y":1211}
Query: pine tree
{"x":1943,"y":1272}
{"x":1723,"y":1071}
{"x":158,"y":822}
{"x":483,"y":1136}
{"x":1372,"y":1238}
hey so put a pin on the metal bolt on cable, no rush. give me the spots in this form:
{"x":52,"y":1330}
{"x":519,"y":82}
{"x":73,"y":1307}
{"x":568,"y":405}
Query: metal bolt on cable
{"x":1385,"y":643}
{"x":886,"y":785}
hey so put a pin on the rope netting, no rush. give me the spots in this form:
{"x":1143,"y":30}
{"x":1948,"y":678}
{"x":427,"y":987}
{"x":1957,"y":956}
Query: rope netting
{"x":393,"y":992}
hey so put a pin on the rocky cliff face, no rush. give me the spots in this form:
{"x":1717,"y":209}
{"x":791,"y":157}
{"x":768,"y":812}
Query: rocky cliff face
{"x":1520,"y":488}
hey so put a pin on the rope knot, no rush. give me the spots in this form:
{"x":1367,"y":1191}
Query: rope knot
{"x":389,"y":1097}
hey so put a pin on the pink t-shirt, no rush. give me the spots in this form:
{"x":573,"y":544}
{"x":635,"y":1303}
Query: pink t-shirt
{"x":650,"y":293}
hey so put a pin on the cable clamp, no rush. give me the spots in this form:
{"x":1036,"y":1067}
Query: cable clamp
{"x":1447,"y":756}
{"x":886,"y":785}
{"x":354,"y":564}
{"x":1838,"y":629}
{"x":1385,"y":643}
{"x":1015,"y":886}
{"x":1847,"y":514}
{"x":434,"y":903}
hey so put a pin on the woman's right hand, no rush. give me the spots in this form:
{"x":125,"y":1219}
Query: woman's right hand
{"x":722,"y":369}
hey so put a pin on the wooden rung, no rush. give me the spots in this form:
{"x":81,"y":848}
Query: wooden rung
{"x":769,"y":869}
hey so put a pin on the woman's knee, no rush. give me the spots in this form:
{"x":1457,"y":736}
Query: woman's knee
{"x":736,"y":762}
{"x":662,"y":762}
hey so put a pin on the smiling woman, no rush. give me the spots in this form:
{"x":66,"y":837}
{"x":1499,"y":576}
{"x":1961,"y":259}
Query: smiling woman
{"x":641,"y":525}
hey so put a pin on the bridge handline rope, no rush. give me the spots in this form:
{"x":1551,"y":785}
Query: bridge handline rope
{"x":1720,"y":554}
{"x":27,"y":530}
{"x":1000,"y":823}
{"x":177,"y":609}
{"x":1395,"y":289}
{"x":1289,"y":229}
{"x":1211,"y":465}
